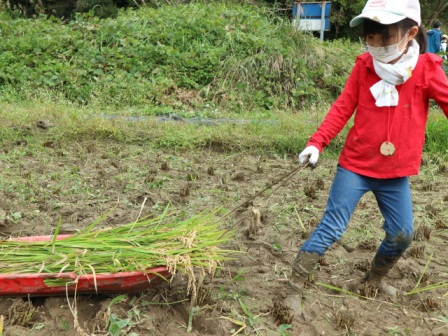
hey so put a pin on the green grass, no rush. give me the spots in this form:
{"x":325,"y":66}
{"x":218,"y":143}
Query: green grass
{"x":286,"y":134}
{"x":437,"y":135}
{"x":283,"y":132}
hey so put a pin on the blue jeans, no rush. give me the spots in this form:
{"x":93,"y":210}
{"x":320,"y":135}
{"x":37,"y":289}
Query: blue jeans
{"x":394,"y":200}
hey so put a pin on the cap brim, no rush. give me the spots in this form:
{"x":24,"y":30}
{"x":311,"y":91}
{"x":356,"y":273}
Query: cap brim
{"x":377,"y":16}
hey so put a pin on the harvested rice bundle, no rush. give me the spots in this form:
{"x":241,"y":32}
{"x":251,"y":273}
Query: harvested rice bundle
{"x":162,"y":241}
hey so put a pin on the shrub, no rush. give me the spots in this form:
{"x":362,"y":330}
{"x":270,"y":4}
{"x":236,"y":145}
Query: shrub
{"x":240,"y":56}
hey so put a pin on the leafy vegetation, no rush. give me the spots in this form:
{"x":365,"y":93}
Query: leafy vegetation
{"x":66,"y":8}
{"x":241,"y":57}
{"x":103,"y":89}
{"x":216,"y":61}
{"x":341,"y":14}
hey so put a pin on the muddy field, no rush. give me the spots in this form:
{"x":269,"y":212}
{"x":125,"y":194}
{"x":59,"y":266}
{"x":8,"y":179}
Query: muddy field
{"x":250,"y":295}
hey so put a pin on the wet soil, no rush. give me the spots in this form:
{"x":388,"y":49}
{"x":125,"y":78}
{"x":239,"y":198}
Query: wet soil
{"x":250,"y":295}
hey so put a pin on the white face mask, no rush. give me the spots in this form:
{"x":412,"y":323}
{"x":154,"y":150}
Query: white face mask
{"x":386,"y":54}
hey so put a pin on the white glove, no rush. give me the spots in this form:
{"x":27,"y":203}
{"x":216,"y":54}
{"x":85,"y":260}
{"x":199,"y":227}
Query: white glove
{"x":309,"y":154}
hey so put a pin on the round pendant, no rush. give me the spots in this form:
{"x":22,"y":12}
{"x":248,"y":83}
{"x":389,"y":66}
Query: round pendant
{"x":387,"y":148}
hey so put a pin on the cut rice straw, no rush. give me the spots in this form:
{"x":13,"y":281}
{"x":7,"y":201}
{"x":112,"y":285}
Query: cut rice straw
{"x":347,"y":292}
{"x":436,"y":286}
{"x":423,"y":273}
{"x":137,"y":246}
{"x":337,"y":289}
{"x":56,"y":232}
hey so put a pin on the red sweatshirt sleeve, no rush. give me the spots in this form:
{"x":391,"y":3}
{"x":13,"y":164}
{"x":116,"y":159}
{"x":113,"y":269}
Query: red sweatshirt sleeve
{"x":341,"y":110}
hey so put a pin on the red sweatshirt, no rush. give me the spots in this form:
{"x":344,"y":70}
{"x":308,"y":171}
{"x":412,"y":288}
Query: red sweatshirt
{"x":406,"y":122}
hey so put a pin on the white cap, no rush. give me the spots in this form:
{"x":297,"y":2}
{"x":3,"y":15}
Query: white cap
{"x":389,"y":11}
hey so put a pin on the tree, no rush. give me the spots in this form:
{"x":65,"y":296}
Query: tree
{"x":341,"y":13}
{"x":66,"y":8}
{"x":434,"y":10}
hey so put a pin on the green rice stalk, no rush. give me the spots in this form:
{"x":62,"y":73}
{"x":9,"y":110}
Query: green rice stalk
{"x":56,"y":232}
{"x":119,"y":298}
{"x":300,"y":219}
{"x":436,"y":286}
{"x":137,"y":246}
{"x":430,"y":287}
{"x":57,"y":282}
{"x":337,"y":289}
{"x":423,"y":273}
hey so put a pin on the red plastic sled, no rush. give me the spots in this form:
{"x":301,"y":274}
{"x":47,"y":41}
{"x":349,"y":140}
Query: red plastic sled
{"x":41,"y":284}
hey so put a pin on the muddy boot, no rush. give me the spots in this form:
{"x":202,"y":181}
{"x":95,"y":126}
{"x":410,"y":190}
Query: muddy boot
{"x":374,"y":278}
{"x":303,"y":266}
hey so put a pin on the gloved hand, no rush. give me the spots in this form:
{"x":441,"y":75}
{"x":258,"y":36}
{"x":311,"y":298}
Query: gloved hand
{"x":309,"y":154}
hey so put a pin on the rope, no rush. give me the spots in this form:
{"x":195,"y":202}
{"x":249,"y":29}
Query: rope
{"x":269,"y":186}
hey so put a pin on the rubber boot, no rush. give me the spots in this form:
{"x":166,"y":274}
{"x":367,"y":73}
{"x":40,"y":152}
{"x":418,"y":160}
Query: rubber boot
{"x":380,"y":267}
{"x":303,"y":266}
{"x":302,"y":272}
